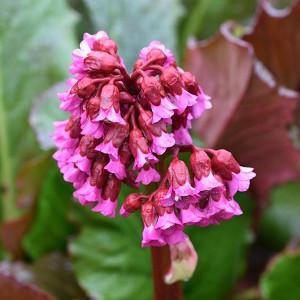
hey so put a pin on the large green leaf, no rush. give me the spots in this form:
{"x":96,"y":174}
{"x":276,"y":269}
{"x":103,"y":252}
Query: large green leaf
{"x":50,"y":227}
{"x":110,"y":263}
{"x":221,"y":251}
{"x":281,"y":222}
{"x":133,"y":24}
{"x":36,"y":38}
{"x":281,"y":281}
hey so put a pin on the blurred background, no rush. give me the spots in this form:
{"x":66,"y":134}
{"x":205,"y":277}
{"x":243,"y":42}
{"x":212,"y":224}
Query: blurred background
{"x":246,"y":56}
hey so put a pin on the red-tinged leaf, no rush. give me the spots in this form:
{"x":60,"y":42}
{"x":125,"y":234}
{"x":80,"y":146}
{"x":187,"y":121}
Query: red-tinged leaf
{"x":12,"y":289}
{"x":12,"y":233}
{"x":250,"y":112}
{"x":276,"y":41}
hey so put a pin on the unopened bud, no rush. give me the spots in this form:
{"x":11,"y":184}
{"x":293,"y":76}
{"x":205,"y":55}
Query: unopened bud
{"x":101,"y":61}
{"x":200,"y":163}
{"x":170,"y":78}
{"x":157,"y":56}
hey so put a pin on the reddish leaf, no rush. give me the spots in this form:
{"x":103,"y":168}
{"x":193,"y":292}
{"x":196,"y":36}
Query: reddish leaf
{"x":29,"y":180}
{"x":250,"y":112}
{"x":12,"y":289}
{"x":276,"y":41}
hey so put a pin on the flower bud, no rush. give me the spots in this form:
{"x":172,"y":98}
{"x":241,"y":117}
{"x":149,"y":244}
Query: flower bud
{"x":178,"y":172}
{"x":98,"y":173}
{"x":84,"y":87}
{"x":170,"y":79}
{"x":200,"y":163}
{"x":148,"y":213}
{"x":112,"y":188}
{"x":101,"y":62}
{"x":157,"y":56}
{"x":151,"y":89}
{"x":137,"y":141}
{"x":93,"y":106}
{"x":117,"y":133}
{"x":73,"y":126}
{"x":183,"y":262}
{"x":190,"y":83}
{"x":223,"y":163}
{"x":132,"y":203}
{"x":87,"y":146}
{"x":110,"y":96}
{"x":106,"y":45}
{"x":126,"y":98}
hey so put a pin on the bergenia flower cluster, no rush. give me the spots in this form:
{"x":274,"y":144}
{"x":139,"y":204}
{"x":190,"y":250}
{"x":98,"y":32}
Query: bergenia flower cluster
{"x":121,"y":129}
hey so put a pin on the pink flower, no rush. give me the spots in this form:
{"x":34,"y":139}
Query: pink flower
{"x":164,"y":110}
{"x":145,"y":53}
{"x":162,"y":142}
{"x":106,"y":207}
{"x":180,"y":179}
{"x":182,"y":136}
{"x":116,"y":167}
{"x":184,"y":100}
{"x":147,"y":175}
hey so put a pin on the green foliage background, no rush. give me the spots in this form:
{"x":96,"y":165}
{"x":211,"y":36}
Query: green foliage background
{"x":36,"y":40}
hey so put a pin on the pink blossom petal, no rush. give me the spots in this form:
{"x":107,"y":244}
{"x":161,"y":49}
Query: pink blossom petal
{"x":116,"y":167}
{"x":108,"y":148}
{"x":152,"y":237}
{"x":182,"y":136}
{"x":163,"y":111}
{"x":106,"y":208}
{"x":147,"y":176}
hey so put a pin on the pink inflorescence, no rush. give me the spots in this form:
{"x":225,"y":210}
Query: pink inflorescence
{"x":122,"y":125}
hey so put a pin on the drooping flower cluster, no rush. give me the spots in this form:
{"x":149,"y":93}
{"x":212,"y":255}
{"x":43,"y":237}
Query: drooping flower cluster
{"x":122,"y":125}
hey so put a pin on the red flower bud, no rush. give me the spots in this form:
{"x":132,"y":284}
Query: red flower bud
{"x":137,"y":141}
{"x":126,"y":98}
{"x":170,"y":79}
{"x":157,"y":56}
{"x":138,"y":64}
{"x":125,"y":154}
{"x":93,"y":106}
{"x":151,"y":89}
{"x":101,"y":62}
{"x":116,"y":133}
{"x":190,"y":83}
{"x":106,"y":45}
{"x":112,"y":188}
{"x":223,"y":163}
{"x":87,"y":146}
{"x":110,"y":96}
{"x":200,"y":163}
{"x":148,"y":213}
{"x":84,"y":87}
{"x":73,"y":126}
{"x":133,"y":202}
{"x":98,"y":173}
{"x":178,"y":172}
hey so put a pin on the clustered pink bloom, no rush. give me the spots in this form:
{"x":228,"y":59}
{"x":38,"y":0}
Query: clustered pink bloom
{"x":122,"y":125}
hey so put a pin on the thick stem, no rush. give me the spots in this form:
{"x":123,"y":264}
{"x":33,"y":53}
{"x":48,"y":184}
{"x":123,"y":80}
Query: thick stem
{"x":160,"y":266}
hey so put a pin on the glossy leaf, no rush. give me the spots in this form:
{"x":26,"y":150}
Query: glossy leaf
{"x":134,"y":24}
{"x":36,"y":38}
{"x":280,"y":222}
{"x":281,"y":280}
{"x":50,"y":226}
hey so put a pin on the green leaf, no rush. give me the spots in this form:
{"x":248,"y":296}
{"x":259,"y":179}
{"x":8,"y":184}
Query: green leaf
{"x":36,"y":38}
{"x":221,"y":251}
{"x":204,"y":17}
{"x":281,"y":281}
{"x":45,"y":111}
{"x":281,"y":222}
{"x":133,"y":24}
{"x":50,"y":227}
{"x":110,"y":263}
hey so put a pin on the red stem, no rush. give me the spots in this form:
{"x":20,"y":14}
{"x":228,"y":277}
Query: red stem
{"x":160,"y":266}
